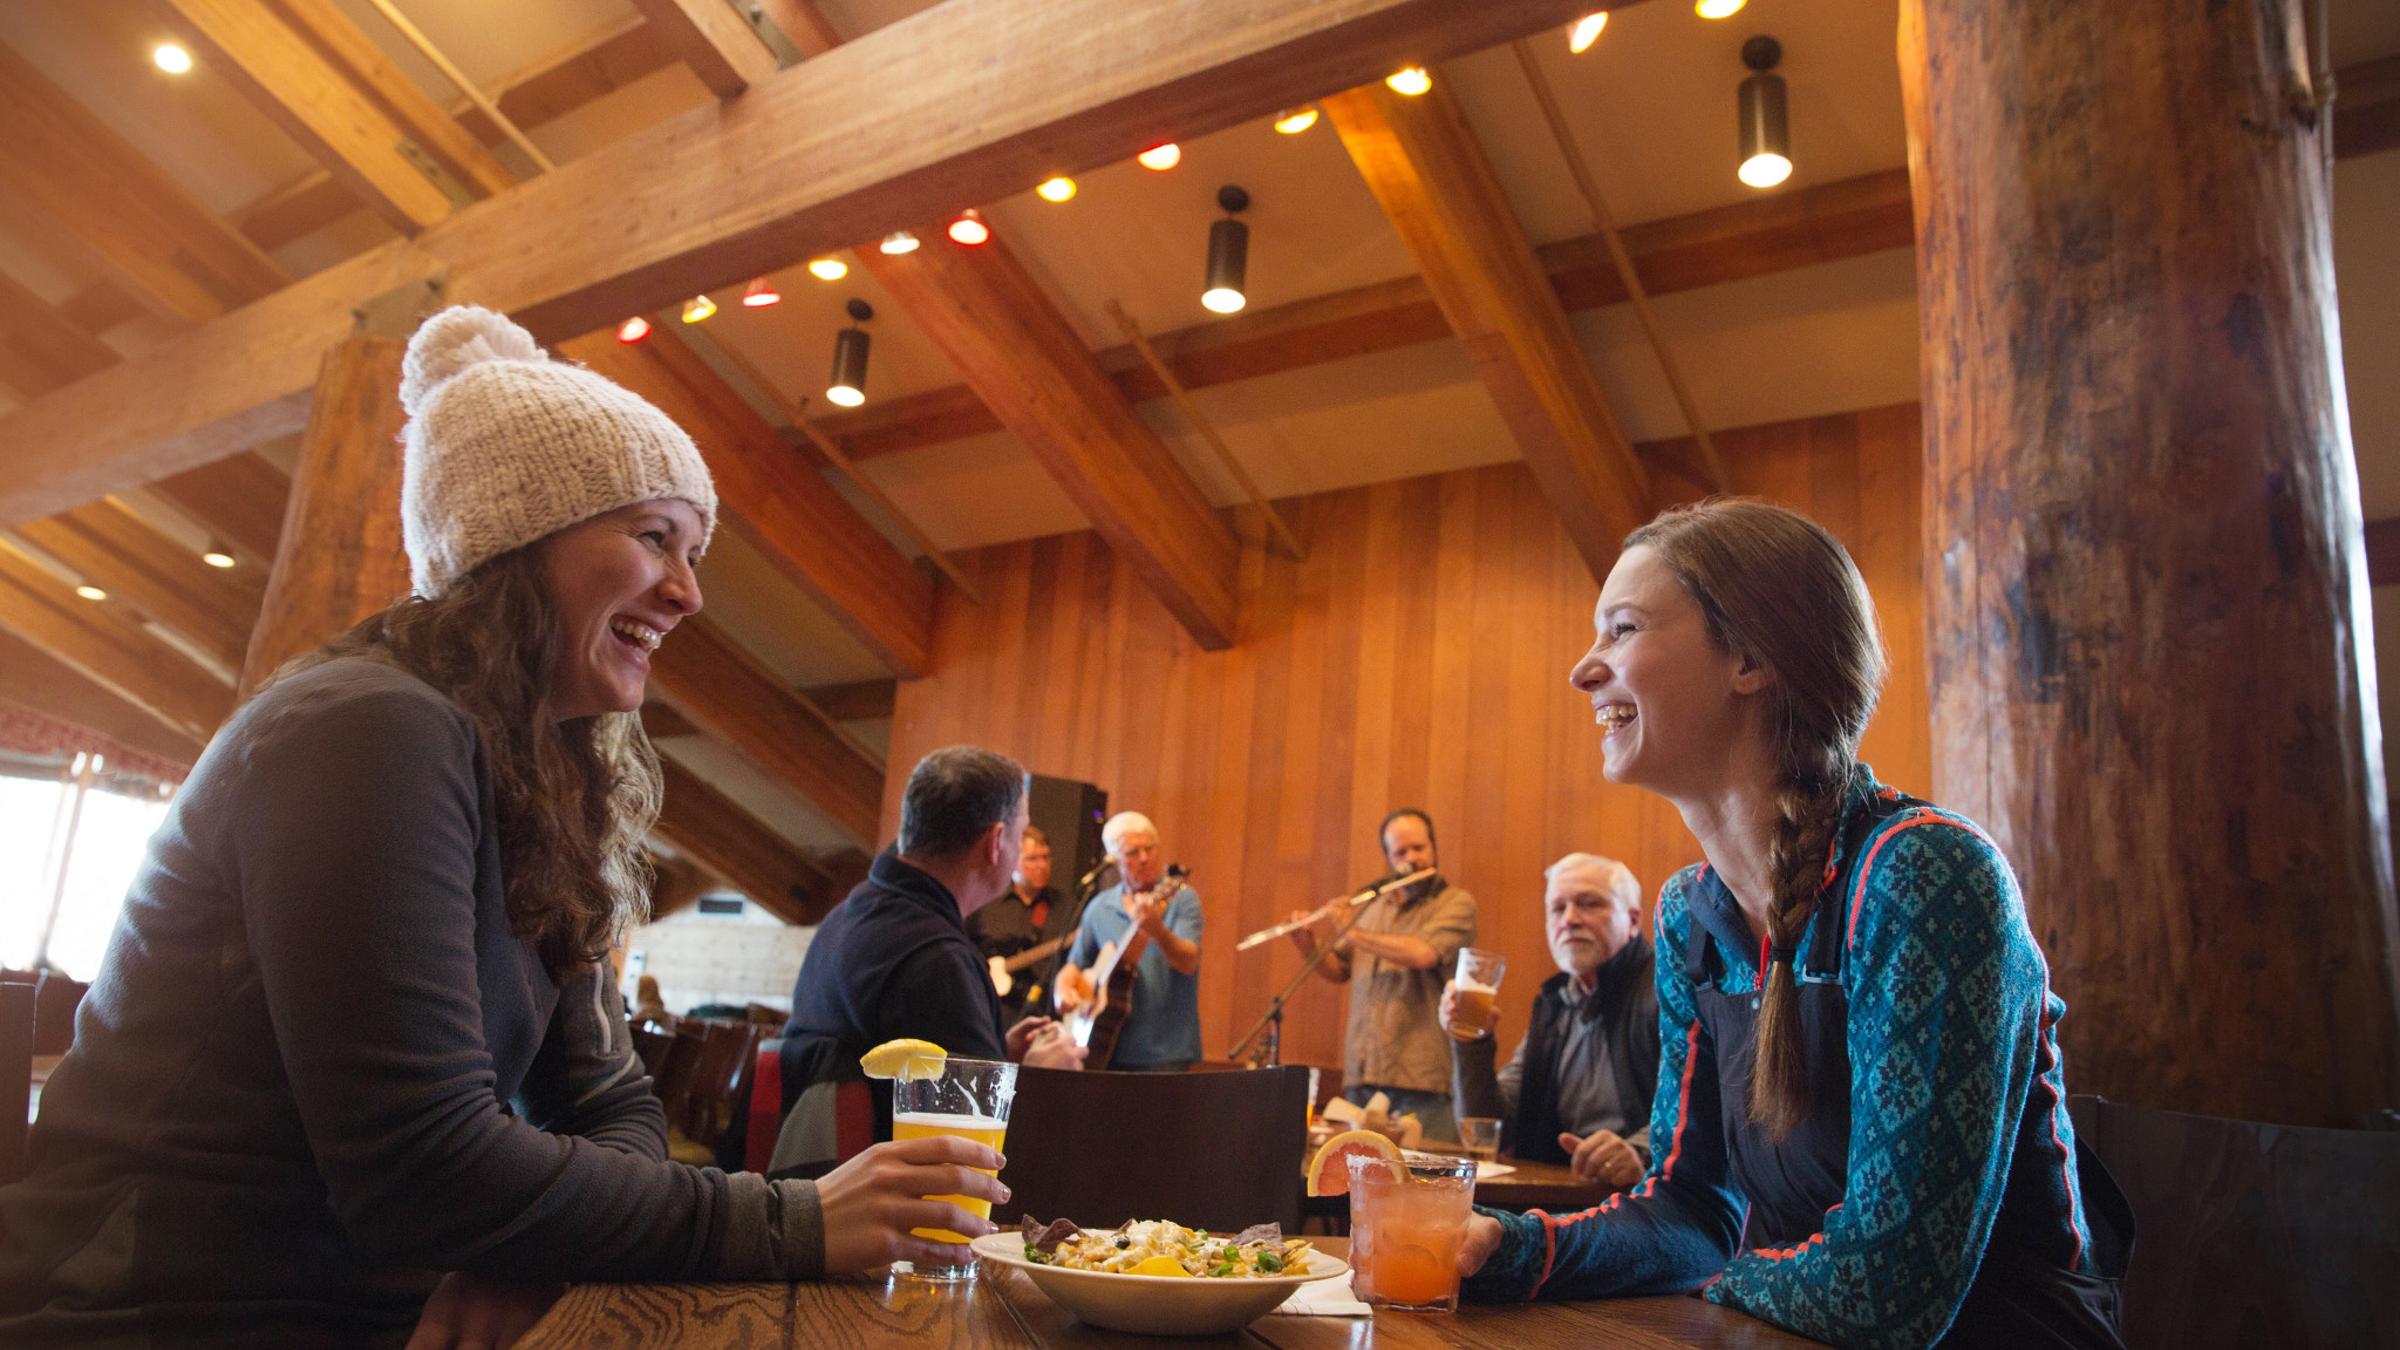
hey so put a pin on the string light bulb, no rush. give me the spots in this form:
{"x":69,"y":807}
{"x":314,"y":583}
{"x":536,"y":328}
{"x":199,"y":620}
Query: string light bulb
{"x":1412,"y":81}
{"x":171,"y":58}
{"x":760,"y":293}
{"x":1766,"y":140}
{"x":1059,"y":189}
{"x":1293,"y":121}
{"x":697,"y":308}
{"x":899,"y":242}
{"x":1228,"y":256}
{"x":215,"y":555}
{"x":1717,"y":9}
{"x":633,"y":330}
{"x":969,"y":228}
{"x":1586,"y":32}
{"x":847,"y":386}
{"x":828,"y":269}
{"x":1160,"y":158}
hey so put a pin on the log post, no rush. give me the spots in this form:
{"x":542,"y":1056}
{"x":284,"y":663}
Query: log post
{"x":340,"y":557}
{"x":2147,"y":600}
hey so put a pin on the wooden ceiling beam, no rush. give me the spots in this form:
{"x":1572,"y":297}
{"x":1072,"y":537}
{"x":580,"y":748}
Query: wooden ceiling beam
{"x":103,"y":641}
{"x":1846,"y":219}
{"x":710,"y":829}
{"x":36,"y":679}
{"x":240,"y":499}
{"x":860,"y":701}
{"x":777,"y":501}
{"x":62,"y":166}
{"x":40,"y":349}
{"x":709,"y":37}
{"x":317,"y":105}
{"x":1023,"y":360}
{"x":1438,"y":189}
{"x":869,"y":140}
{"x":425,"y":121}
{"x":804,"y":25}
{"x":122,"y":554}
{"x":725,"y":692}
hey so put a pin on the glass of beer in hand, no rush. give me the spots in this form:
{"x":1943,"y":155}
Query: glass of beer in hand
{"x":1475,"y":994}
{"x":970,"y":1100}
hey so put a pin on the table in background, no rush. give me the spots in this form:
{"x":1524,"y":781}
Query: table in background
{"x":1004,"y":1309}
{"x":1533,"y":1185}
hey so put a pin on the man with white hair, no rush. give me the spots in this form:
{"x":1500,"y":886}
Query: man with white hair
{"x":1578,"y":1090}
{"x":1162,"y":1029}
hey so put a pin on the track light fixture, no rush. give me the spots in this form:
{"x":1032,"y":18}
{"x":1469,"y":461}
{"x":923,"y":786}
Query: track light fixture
{"x":1717,"y":9}
{"x":1766,"y":142}
{"x":91,"y":592}
{"x":171,"y":58}
{"x":1160,"y":158}
{"x":1228,"y":255}
{"x":1059,"y":189}
{"x":760,"y":293}
{"x":697,"y":308}
{"x":848,"y":384}
{"x":828,"y":269}
{"x":899,"y":242}
{"x":1412,"y":81}
{"x":1586,"y":32}
{"x":969,"y":228}
{"x":1293,"y":121}
{"x":633,"y":330}
{"x":217,"y":555}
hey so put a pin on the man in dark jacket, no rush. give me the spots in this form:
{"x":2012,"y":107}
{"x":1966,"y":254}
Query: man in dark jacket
{"x":1578,"y":1089}
{"x":894,"y":961}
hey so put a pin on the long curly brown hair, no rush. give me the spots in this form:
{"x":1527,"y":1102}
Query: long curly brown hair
{"x":575,"y":798}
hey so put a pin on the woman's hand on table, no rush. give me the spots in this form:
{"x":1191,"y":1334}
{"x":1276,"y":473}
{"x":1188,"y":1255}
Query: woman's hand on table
{"x":870,"y":1202}
{"x":473,"y":1312}
{"x":1483,"y":1238}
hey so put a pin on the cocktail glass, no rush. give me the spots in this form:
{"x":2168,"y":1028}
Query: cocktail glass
{"x":970,"y":1100}
{"x":1407,"y":1222}
{"x":1475,"y":996}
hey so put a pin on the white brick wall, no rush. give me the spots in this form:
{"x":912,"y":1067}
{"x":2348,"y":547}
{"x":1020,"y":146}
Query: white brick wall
{"x":717,"y":958}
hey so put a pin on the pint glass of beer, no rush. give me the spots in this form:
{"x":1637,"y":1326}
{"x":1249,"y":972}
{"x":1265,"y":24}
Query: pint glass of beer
{"x":1475,"y":1002}
{"x":970,"y":1100}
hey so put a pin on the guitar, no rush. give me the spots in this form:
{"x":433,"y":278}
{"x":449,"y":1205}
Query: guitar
{"x":1098,"y":1022}
{"x":1004,"y":968}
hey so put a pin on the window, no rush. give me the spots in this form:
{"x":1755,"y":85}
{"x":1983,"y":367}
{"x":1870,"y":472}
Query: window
{"x":110,"y":837}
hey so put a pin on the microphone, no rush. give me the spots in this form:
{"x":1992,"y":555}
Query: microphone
{"x":1084,"y":883}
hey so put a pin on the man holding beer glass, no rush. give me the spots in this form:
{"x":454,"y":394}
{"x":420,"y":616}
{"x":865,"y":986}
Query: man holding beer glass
{"x":1394,"y":960}
{"x":1578,"y":1089}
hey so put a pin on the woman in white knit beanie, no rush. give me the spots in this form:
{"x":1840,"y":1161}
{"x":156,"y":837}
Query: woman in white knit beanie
{"x":355,"y":1066}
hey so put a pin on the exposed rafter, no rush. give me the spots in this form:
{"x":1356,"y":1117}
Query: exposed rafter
{"x":867,"y":140}
{"x":118,"y":551}
{"x":710,"y":38}
{"x":109,"y":646}
{"x":708,"y":827}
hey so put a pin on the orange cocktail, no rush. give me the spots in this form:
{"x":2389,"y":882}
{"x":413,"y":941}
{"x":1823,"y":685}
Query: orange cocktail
{"x":1407,"y":1222}
{"x":969,"y":1100}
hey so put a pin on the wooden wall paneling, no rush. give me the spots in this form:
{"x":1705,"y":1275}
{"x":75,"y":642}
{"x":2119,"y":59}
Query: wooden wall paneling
{"x":109,"y":646}
{"x":709,"y":37}
{"x":1439,"y":191}
{"x":1418,"y":658}
{"x":340,"y":557}
{"x":800,"y":166}
{"x":130,"y":219}
{"x":728,"y":694}
{"x":119,"y":552}
{"x":711,"y":829}
{"x":315,"y":104}
{"x":780,"y":504}
{"x":47,"y":685}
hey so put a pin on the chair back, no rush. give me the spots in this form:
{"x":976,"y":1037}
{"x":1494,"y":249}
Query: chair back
{"x":2250,"y":1234}
{"x":1216,"y":1150}
{"x":726,"y":1049}
{"x":17,"y":1003}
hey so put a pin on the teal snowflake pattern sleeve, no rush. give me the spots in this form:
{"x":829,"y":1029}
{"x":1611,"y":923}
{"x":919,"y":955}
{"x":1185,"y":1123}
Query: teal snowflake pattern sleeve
{"x":1946,"y":991}
{"x":1677,"y":1227}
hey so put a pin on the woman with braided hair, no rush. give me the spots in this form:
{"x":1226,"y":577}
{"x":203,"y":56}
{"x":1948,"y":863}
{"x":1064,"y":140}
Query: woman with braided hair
{"x":1860,"y":1130}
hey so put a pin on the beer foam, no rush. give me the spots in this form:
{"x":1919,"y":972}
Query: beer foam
{"x":1466,"y":985}
{"x":933,"y":1120}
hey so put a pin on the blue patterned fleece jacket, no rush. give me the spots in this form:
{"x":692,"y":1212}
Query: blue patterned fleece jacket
{"x":1957,"y":1131}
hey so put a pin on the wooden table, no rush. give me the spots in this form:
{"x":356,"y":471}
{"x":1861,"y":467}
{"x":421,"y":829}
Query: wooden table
{"x":1534,"y":1185}
{"x":1004,"y":1309}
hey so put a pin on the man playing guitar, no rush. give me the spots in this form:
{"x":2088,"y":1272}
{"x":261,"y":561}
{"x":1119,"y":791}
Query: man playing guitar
{"x":1022,"y":932}
{"x":1154,"y":922}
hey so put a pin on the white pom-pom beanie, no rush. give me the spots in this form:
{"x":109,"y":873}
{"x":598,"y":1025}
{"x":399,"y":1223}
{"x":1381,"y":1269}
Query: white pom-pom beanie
{"x":505,"y":446}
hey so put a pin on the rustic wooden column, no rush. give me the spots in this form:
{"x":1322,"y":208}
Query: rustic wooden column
{"x":2148,"y":612}
{"x":340,"y":558}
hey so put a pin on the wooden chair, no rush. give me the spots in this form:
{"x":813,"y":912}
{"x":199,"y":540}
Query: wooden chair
{"x":650,"y":1044}
{"x":726,"y":1049}
{"x":17,"y":1003}
{"x":1209,"y":1150}
{"x":2250,"y":1234}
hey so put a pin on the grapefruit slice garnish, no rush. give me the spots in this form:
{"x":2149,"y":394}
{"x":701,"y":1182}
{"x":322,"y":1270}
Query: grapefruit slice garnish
{"x":1329,"y":1171}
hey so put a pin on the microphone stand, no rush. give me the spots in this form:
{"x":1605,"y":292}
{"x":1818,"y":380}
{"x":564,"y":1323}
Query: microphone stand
{"x":1267,"y":1032}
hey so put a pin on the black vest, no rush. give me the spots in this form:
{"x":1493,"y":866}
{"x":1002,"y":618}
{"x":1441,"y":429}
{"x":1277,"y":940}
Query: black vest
{"x":1632,"y":1049}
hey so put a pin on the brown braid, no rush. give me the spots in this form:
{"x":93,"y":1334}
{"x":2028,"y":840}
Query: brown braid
{"x":1776,"y":588}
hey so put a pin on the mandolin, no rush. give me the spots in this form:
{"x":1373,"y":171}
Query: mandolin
{"x":1100,"y":1020}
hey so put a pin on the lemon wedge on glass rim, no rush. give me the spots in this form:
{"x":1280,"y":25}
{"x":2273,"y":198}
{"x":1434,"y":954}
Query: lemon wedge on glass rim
{"x":912,"y":1059}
